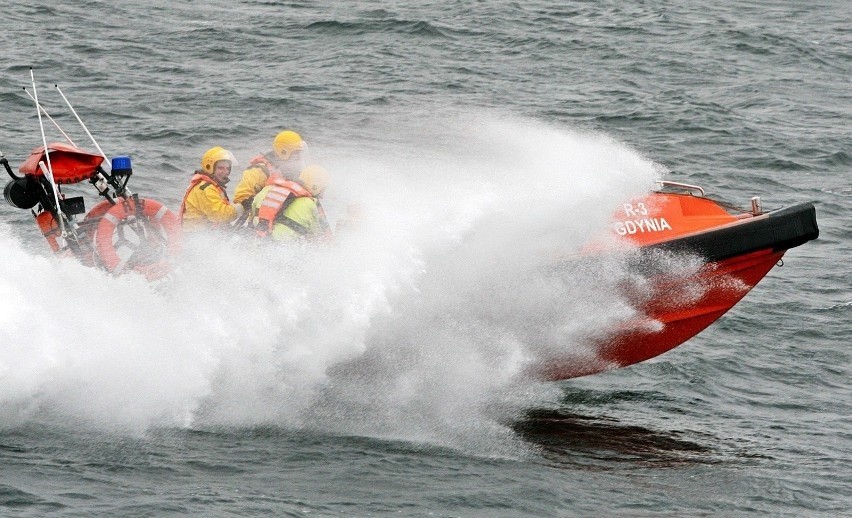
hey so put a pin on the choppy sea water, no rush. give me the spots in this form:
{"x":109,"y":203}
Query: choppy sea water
{"x":474,"y":136}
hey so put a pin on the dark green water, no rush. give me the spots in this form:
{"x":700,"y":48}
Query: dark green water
{"x":383,"y":377}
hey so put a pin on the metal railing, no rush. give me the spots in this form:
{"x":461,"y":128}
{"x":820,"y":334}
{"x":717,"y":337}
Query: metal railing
{"x":677,"y":185}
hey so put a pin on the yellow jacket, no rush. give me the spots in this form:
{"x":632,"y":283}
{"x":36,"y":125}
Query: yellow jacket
{"x":205,"y":204}
{"x":302,"y":217}
{"x":253,"y":180}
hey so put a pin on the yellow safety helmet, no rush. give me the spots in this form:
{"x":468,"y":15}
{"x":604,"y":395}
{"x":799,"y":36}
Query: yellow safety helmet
{"x":215,"y":154}
{"x":286,"y":142}
{"x":315,"y":178}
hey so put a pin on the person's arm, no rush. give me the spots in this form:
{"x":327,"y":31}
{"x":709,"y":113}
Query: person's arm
{"x":250,"y":184}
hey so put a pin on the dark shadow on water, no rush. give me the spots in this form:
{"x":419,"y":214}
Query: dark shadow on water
{"x":597,"y":442}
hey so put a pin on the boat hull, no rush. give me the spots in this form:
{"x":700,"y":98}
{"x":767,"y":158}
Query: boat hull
{"x":674,"y":304}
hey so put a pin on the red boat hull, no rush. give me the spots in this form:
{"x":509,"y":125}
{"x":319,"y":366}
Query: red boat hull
{"x":723,"y":258}
{"x":670,"y":314}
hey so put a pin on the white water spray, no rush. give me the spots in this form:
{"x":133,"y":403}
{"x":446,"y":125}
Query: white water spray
{"x":417,"y":324}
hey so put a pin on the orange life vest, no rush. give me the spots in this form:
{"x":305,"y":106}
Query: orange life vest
{"x":264,"y":164}
{"x":198,"y":178}
{"x":269,"y":168}
{"x":281,"y":193}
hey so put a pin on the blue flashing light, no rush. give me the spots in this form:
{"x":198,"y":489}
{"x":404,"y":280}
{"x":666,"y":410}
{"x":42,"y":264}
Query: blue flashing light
{"x":121,"y":164}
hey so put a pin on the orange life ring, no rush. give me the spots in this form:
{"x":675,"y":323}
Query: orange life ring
{"x":143,"y":244}
{"x":90,"y":222}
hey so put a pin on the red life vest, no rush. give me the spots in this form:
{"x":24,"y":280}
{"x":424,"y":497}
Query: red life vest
{"x":269,"y":168}
{"x":280,"y":192}
{"x":264,"y":164}
{"x":198,"y":178}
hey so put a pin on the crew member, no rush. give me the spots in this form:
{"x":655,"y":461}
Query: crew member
{"x":287,"y":210}
{"x":285,"y":160}
{"x":206,"y":204}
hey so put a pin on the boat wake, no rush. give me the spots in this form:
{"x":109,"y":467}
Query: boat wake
{"x":419,"y":323}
